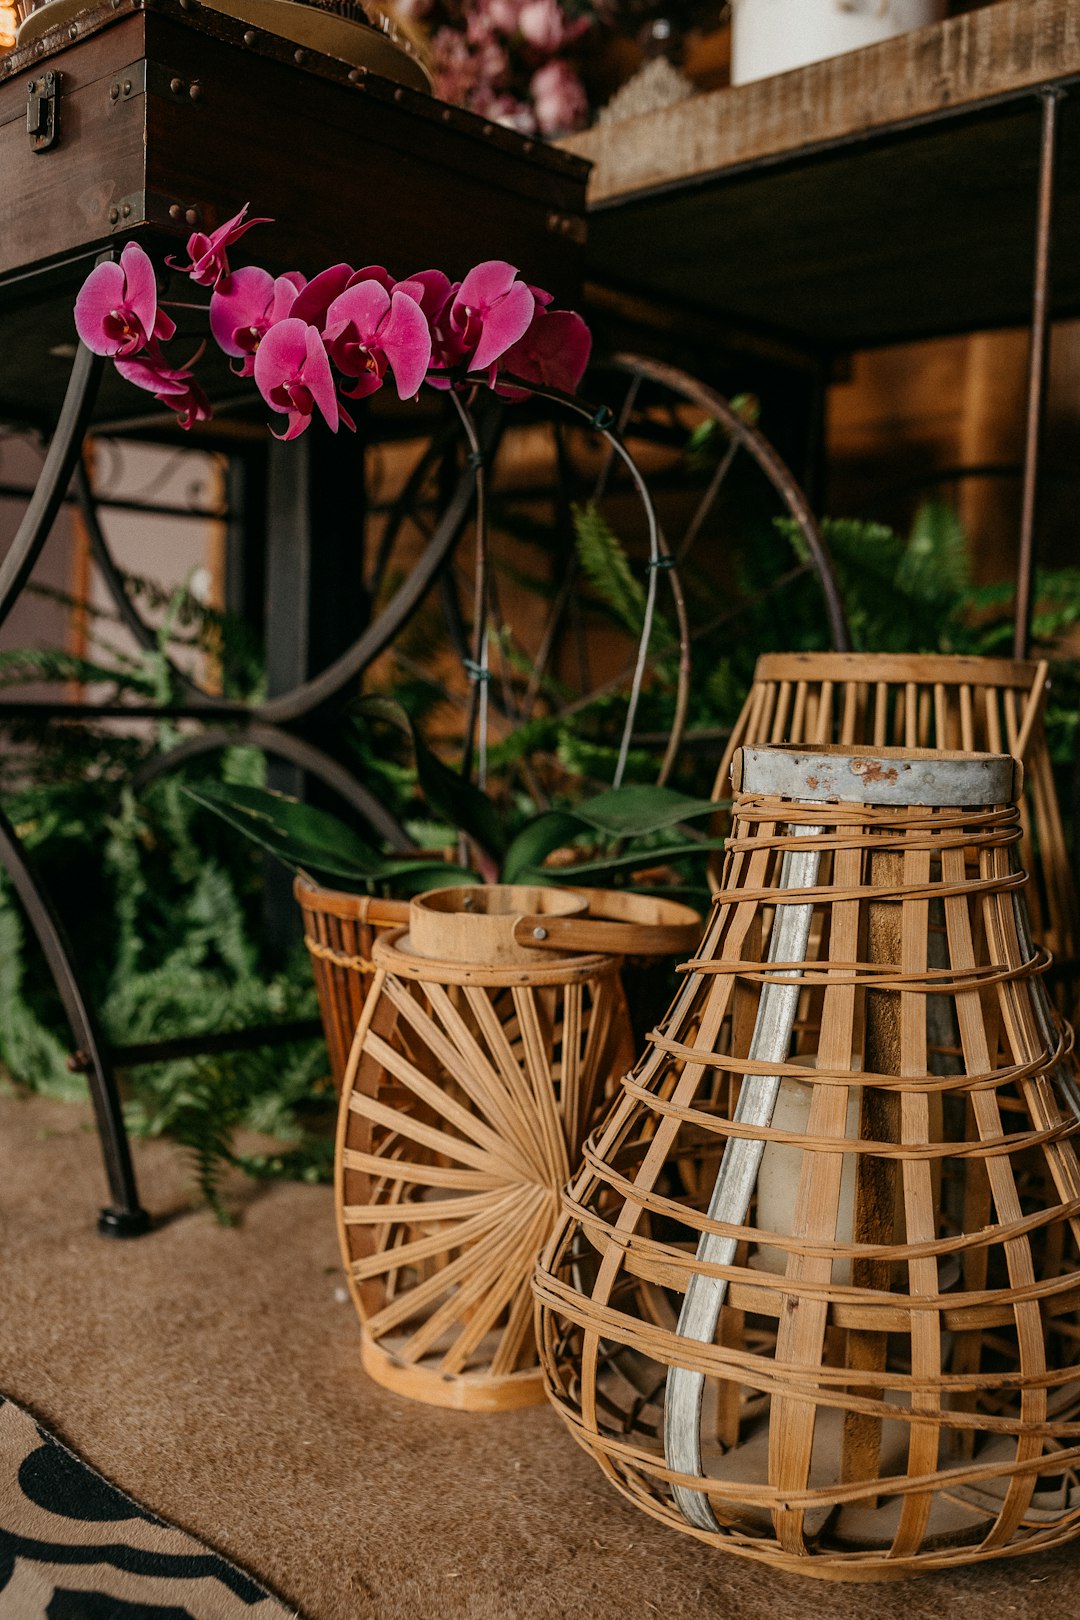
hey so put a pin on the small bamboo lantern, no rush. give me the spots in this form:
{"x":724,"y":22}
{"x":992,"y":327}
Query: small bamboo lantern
{"x":494,"y":1029}
{"x":815,"y":1295}
{"x":914,"y":701}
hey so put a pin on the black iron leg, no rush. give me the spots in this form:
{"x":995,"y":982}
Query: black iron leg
{"x":60,"y":463}
{"x":124,"y":1217}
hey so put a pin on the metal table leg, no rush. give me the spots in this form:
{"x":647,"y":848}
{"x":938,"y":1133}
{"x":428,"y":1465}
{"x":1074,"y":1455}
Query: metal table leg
{"x":124,"y":1217}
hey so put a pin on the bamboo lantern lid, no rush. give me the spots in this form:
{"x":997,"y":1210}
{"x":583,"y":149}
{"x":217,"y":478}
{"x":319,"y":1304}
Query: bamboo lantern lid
{"x":479,"y":923}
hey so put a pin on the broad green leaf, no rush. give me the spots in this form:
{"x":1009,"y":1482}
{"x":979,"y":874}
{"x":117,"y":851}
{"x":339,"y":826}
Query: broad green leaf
{"x":632,"y":812}
{"x":447,"y":793}
{"x":636,"y":860}
{"x":536,"y":840}
{"x":287,"y":820}
{"x":313,"y":841}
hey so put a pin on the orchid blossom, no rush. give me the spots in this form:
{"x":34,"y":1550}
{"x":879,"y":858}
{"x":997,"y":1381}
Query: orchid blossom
{"x":246,"y":306}
{"x":554,"y":352}
{"x":490,"y":311}
{"x":309,"y":345}
{"x":207,"y":253}
{"x":116,"y":312}
{"x":368,"y":328}
{"x":312,"y":304}
{"x":173,"y":386}
{"x":292,"y":373}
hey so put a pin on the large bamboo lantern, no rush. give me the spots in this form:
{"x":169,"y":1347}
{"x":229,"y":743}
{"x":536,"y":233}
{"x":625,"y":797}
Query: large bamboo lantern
{"x":815,"y":1295}
{"x":931,"y":701}
{"x":494,"y":1029}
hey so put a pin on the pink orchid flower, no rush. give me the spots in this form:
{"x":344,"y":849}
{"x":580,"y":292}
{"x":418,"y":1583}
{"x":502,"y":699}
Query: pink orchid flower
{"x":312,"y":304}
{"x":173,"y":386}
{"x":207,"y":253}
{"x":428,"y":288}
{"x":116,"y":311}
{"x":368,"y":329}
{"x":554,"y":352}
{"x":246,"y":306}
{"x":292,"y":373}
{"x":490,"y":311}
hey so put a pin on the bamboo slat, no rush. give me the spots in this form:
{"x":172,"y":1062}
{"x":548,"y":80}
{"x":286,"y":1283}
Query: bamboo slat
{"x":865,"y":1363}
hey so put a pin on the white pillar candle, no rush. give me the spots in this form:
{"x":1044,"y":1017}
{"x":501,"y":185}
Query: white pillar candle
{"x":781,"y":1169}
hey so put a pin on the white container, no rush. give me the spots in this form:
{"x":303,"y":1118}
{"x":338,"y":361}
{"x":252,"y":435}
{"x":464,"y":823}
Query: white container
{"x":773,"y":36}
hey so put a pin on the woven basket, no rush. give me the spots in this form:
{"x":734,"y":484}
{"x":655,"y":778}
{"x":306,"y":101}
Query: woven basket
{"x":815,"y":1296}
{"x":494,"y":1031}
{"x":340,"y":931}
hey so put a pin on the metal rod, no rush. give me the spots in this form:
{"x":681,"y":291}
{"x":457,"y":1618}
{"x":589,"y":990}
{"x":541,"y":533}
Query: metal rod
{"x":125,"y":1217}
{"x":381,"y":632}
{"x":228,"y":1040}
{"x":115,"y":503}
{"x":1038,"y":369}
{"x":146,"y":637}
{"x":45,"y":711}
{"x":63,"y":455}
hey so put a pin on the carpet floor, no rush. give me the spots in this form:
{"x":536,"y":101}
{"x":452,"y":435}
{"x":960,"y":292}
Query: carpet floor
{"x":213,"y":1375}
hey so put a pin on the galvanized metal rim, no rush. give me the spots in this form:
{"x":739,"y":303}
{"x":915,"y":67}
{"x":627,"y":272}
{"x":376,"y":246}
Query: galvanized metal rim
{"x":878,"y":776}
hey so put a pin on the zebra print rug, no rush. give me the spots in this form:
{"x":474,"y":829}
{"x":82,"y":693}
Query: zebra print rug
{"x":73,"y":1547}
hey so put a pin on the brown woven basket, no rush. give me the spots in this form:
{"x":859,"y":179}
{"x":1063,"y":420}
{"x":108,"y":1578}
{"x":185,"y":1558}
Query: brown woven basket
{"x":931,"y":700}
{"x":340,"y":931}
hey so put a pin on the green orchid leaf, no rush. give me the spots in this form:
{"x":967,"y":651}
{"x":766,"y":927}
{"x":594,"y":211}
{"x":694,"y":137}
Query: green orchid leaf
{"x":636,"y":860}
{"x":635,"y":811}
{"x":447,"y":793}
{"x":286,"y":820}
{"x":536,"y":840}
{"x":416,"y":877}
{"x":313,"y":841}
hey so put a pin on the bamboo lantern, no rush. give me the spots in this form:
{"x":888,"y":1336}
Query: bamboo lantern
{"x":931,"y":701}
{"x":495,"y":1027}
{"x":339,"y":932}
{"x":815,"y":1296}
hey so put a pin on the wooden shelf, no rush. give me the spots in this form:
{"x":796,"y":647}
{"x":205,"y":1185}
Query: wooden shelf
{"x":879,"y":196}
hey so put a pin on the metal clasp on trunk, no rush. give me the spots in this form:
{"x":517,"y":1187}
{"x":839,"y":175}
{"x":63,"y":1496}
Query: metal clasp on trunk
{"x":43,"y":111}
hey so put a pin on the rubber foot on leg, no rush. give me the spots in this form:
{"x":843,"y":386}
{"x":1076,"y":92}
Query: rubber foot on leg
{"x":123,"y":1223}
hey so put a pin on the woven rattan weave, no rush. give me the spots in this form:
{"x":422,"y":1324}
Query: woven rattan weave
{"x":340,"y":930}
{"x":815,"y":1296}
